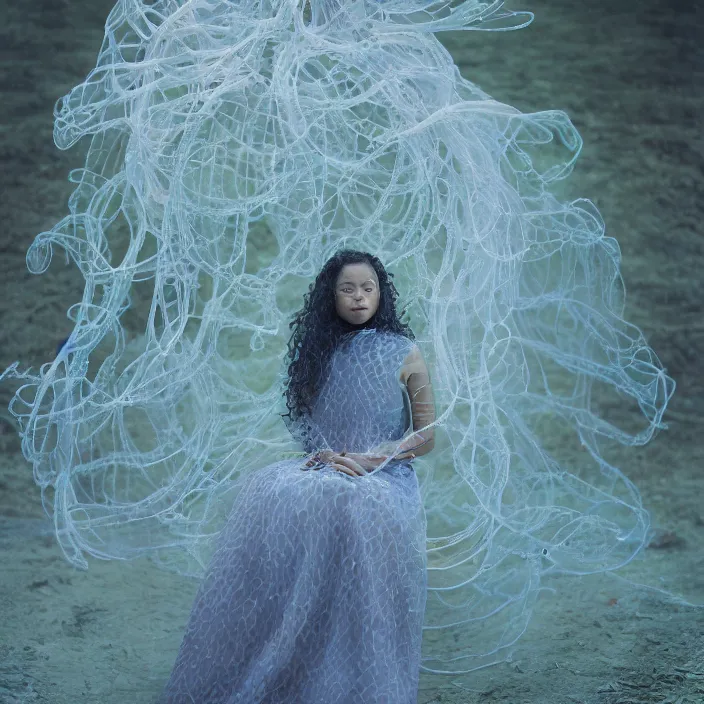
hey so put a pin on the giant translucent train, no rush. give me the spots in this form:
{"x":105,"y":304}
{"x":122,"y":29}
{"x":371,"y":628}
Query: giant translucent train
{"x":234,"y":146}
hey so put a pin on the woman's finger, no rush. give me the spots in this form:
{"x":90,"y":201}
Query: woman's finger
{"x":343,"y":470}
{"x":368,"y":461}
{"x":350,"y":464}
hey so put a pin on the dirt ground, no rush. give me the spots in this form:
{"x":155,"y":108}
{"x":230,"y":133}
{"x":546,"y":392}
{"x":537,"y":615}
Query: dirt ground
{"x":630,"y":74}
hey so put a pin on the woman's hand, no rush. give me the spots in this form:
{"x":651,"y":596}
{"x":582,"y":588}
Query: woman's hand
{"x":347,"y":465}
{"x":352,"y":464}
{"x":368,"y":460}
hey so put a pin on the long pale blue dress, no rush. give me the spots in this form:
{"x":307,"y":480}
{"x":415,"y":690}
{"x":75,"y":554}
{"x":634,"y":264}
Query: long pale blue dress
{"x":316,"y":592}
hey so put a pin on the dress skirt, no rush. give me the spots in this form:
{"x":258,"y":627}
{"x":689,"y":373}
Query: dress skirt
{"x":315,"y":593}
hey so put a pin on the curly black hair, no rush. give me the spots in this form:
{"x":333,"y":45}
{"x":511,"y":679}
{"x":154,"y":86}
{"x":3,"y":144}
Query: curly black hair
{"x":317,"y":328}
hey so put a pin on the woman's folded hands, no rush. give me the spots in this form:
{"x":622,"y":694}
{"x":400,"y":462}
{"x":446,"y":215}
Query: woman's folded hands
{"x":353,"y":464}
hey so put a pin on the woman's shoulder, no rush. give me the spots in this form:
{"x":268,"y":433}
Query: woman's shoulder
{"x":414,"y":363}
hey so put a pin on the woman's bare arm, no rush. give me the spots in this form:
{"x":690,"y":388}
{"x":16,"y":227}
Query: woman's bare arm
{"x":415,"y":375}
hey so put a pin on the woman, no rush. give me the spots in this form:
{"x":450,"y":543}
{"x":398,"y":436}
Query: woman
{"x":317,"y":590}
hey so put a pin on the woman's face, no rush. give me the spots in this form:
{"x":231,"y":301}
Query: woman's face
{"x":356,"y":293}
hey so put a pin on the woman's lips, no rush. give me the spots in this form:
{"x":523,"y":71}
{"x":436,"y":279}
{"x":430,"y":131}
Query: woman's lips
{"x":356,"y":310}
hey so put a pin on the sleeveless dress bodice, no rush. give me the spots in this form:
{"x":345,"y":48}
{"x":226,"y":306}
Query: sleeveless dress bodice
{"x":362,"y":402}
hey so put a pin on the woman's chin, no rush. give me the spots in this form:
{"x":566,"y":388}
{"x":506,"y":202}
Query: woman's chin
{"x":361,"y":318}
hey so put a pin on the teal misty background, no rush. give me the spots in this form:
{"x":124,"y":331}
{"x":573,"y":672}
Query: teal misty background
{"x":631,"y":76}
